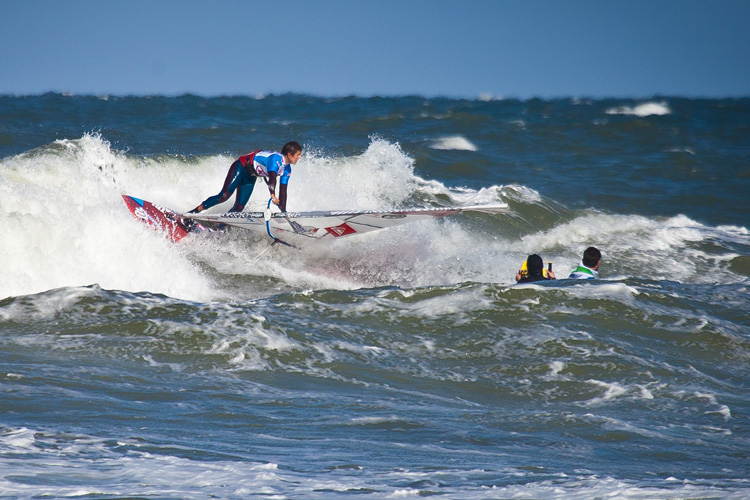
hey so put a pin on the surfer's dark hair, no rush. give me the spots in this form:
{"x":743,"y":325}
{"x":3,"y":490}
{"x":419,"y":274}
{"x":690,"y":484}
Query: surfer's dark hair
{"x":591,"y":257}
{"x":291,"y":148}
{"x":535,"y":265}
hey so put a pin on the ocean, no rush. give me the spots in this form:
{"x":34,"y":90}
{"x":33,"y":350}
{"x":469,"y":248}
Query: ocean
{"x":401,"y":363}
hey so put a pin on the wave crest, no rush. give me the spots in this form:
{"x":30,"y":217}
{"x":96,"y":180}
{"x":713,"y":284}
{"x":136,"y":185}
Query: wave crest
{"x":454,"y":142}
{"x":642,"y":110}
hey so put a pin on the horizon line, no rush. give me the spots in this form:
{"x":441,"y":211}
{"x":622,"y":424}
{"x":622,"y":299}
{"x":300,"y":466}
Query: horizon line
{"x":482,"y":96}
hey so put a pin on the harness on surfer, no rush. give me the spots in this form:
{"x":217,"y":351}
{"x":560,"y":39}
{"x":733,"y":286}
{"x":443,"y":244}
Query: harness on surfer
{"x":533,"y":270}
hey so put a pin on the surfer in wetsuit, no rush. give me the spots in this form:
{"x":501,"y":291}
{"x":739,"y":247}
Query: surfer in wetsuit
{"x":589,"y":266}
{"x":534,"y":271}
{"x":243,"y":173}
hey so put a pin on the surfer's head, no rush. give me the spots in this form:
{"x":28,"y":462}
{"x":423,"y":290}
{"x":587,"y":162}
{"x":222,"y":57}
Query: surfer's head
{"x":292,"y":151}
{"x":591,"y":257}
{"x":534,"y":265}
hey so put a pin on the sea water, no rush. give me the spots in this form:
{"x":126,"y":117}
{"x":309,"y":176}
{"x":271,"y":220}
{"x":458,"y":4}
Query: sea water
{"x":400,"y":363}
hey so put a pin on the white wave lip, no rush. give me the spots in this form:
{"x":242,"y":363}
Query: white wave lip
{"x":453,"y":142}
{"x":64,"y":225}
{"x":642,"y":110}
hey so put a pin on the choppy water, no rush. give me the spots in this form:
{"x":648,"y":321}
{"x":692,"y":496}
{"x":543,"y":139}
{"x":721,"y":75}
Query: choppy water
{"x":402,"y":363}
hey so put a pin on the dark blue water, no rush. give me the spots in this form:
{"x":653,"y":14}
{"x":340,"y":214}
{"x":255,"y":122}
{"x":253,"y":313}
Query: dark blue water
{"x":397,"y":364}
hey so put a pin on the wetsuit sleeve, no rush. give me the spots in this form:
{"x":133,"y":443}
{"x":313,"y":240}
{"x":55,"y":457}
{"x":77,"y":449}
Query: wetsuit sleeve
{"x":271,"y":182}
{"x":282,"y":197}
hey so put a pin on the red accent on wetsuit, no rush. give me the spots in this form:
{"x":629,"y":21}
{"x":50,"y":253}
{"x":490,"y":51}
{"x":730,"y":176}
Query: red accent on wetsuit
{"x":247,"y":162}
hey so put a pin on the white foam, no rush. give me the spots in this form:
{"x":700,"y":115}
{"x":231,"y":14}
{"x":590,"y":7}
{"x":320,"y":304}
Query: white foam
{"x":139,"y":472}
{"x":642,"y":110}
{"x":62,"y":217}
{"x":19,"y":439}
{"x":616,"y":390}
{"x":380,"y":178}
{"x":455,"y":142}
{"x":518,"y":192}
{"x":556,"y":367}
{"x":134,"y":469}
{"x":613,"y":390}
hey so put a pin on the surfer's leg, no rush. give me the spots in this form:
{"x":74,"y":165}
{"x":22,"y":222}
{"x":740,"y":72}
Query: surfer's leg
{"x":234,"y":176}
{"x":243,"y":195}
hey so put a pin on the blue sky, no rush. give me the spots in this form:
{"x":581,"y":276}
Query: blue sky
{"x":466,"y":48}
